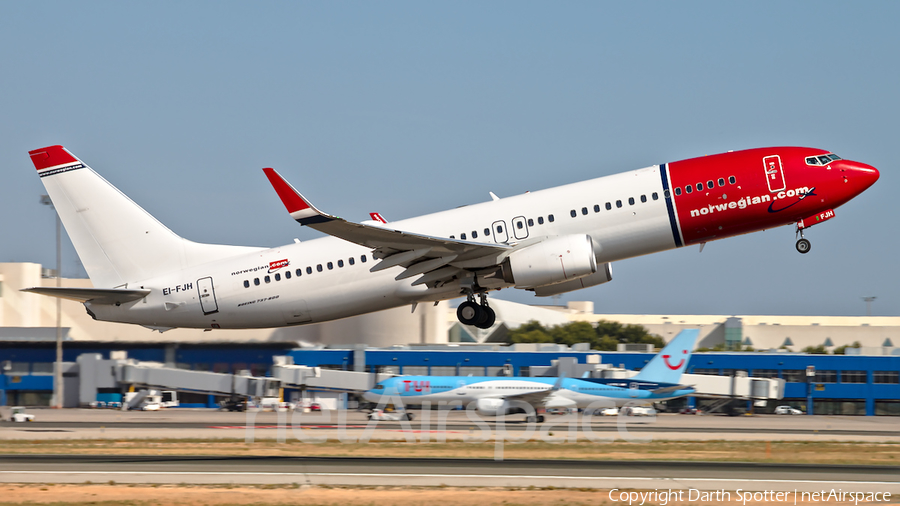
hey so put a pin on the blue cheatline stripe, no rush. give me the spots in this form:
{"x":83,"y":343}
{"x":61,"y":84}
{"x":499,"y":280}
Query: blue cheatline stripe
{"x":669,"y":205}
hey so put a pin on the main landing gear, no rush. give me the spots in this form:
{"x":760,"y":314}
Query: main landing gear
{"x":803,"y":245}
{"x":479,"y":315}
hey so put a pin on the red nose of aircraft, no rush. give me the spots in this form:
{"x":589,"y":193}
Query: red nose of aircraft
{"x":859,"y":175}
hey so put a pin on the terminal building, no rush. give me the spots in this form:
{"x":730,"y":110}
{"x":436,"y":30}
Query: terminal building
{"x":429,"y":340}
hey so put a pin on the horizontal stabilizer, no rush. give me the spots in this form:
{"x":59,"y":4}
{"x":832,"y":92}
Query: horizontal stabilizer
{"x":94,"y":295}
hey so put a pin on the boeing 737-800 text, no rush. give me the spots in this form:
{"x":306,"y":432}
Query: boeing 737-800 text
{"x":550,"y":241}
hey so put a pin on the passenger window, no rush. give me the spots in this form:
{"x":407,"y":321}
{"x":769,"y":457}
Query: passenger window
{"x":330,"y":266}
{"x":618,"y":203}
{"x":596,"y":208}
{"x":666,"y":194}
{"x":731,"y":179}
{"x":462,"y":236}
{"x":256,"y":281}
{"x":540,"y":220}
{"x":530,"y":222}
{"x":309,"y":270}
{"x":246,"y":283}
{"x":487,"y":231}
{"x":678,"y":191}
{"x":584,"y":210}
{"x":277,"y":276}
{"x":550,"y":218}
{"x":721,"y":181}
{"x":340,"y":263}
{"x":655,"y":196}
{"x":630,"y":201}
{"x":351,"y":260}
{"x":520,"y":225}
{"x":699,"y":187}
{"x":643,"y":198}
{"x":710,"y":184}
{"x":689,"y":189}
{"x":299,"y":272}
{"x":319,"y":268}
{"x":573,"y":213}
{"x":474,"y":235}
{"x":287,"y":274}
{"x":453,"y":237}
{"x":363,"y":259}
{"x":267,"y":279}
{"x":608,"y":206}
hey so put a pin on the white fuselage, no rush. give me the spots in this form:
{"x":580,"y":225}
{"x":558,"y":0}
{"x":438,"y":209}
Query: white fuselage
{"x":235,"y":293}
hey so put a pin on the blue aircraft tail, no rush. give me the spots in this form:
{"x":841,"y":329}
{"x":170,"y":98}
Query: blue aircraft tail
{"x":671,"y":362}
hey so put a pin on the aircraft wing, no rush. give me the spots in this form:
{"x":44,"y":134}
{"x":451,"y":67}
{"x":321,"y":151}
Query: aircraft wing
{"x":537,"y":398}
{"x":434,"y":257}
{"x":673,"y":388}
{"x":96,"y":295}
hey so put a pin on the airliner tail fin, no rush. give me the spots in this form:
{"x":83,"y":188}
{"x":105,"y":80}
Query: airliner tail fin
{"x":672,"y":361}
{"x":117,"y":241}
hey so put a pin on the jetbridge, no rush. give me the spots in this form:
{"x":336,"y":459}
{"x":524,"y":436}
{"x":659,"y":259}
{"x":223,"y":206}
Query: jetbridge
{"x":96,"y":374}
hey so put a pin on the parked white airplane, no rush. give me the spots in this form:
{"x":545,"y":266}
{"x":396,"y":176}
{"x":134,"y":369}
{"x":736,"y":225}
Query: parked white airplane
{"x":550,"y":241}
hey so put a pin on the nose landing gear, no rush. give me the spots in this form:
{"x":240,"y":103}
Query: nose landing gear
{"x":479,"y":315}
{"x":803,"y":244}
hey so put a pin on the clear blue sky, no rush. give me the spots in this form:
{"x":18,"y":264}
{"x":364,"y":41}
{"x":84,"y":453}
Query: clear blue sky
{"x":409,"y":108}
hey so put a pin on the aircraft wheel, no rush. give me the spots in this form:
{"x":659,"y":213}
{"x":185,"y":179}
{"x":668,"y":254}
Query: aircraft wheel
{"x":488,"y":318}
{"x":530,"y":419}
{"x":803,"y":246}
{"x":469,"y":313}
{"x":540,"y":418}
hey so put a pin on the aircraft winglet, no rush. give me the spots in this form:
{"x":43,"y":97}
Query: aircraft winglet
{"x":300,"y":208}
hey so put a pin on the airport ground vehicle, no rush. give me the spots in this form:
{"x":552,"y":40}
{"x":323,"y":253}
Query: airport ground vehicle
{"x":787,"y":410}
{"x":394,"y":416}
{"x":19,"y":415}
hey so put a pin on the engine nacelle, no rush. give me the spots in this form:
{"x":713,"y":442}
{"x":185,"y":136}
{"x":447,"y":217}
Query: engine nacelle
{"x":551,"y":261}
{"x":603,"y":275}
{"x":490,"y":407}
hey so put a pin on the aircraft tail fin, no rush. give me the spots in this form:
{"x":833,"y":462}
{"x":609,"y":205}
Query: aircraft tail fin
{"x":671,"y":362}
{"x":117,"y":241}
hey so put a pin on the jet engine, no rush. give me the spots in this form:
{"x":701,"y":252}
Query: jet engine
{"x":556,"y":260}
{"x":490,"y":407}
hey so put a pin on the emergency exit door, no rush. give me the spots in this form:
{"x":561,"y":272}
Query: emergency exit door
{"x":207,"y":296}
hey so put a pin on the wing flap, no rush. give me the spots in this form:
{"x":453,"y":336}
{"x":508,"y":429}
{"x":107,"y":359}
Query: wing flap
{"x":95,"y":295}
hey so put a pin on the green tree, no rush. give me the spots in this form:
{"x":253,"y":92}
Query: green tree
{"x":842,"y":350}
{"x":815,"y":350}
{"x":605,"y":336}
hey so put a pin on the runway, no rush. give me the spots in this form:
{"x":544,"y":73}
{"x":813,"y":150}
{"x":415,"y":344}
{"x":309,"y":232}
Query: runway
{"x":450,"y":472}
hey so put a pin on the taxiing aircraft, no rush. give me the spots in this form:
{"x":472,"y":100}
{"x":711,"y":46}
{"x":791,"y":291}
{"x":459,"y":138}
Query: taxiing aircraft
{"x":657,"y":381}
{"x":550,"y":241}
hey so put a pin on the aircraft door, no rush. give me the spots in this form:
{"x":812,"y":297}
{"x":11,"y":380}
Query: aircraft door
{"x":520,"y":227}
{"x":207,"y":296}
{"x":774,"y":173}
{"x":499,"y":230}
{"x":461,"y":387}
{"x":634,"y":390}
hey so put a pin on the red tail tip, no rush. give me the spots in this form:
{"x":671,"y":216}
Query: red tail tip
{"x":50,"y":156}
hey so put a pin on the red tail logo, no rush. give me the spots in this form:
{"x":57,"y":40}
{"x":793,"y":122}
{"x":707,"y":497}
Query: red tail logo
{"x":676,"y":366}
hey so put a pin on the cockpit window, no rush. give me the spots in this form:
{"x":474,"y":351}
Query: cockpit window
{"x":379,"y":387}
{"x":821,"y":159}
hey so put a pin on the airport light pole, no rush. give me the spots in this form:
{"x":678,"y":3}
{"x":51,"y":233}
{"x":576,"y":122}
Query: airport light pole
{"x":57,"y":368}
{"x":869,"y":301}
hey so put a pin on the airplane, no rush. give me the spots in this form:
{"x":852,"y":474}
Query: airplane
{"x":657,"y":381}
{"x":550,"y":241}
